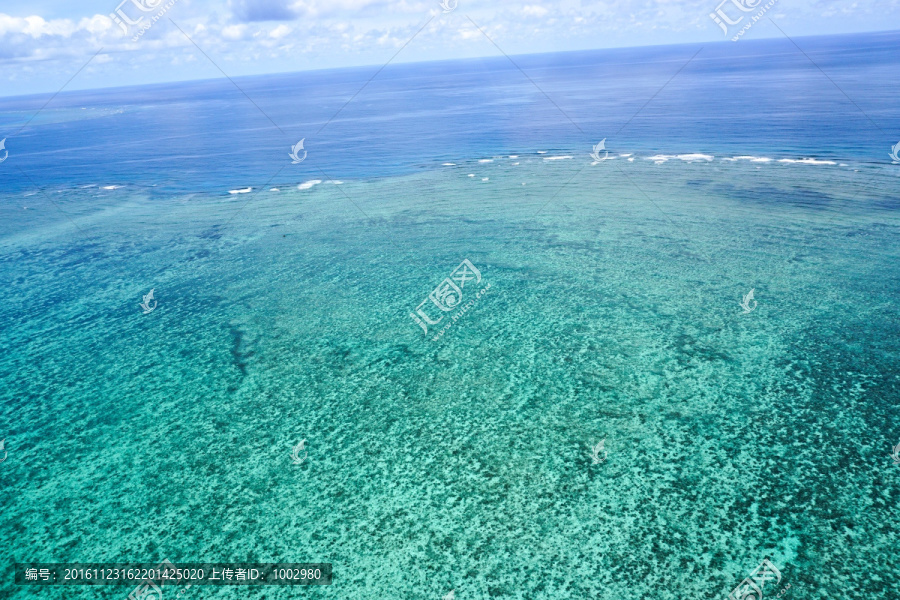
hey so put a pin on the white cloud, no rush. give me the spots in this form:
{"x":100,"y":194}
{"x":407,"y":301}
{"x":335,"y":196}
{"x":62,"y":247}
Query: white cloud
{"x":96,"y":24}
{"x":279,"y":32}
{"x":36,"y":26}
{"x":234,"y":32}
{"x":534,"y":10}
{"x":287,"y":35}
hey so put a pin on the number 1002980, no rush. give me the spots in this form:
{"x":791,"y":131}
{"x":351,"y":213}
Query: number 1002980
{"x":294,"y":574}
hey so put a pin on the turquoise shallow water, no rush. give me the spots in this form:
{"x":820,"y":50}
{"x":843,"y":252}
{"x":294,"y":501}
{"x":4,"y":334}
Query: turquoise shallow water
{"x":464,"y":463}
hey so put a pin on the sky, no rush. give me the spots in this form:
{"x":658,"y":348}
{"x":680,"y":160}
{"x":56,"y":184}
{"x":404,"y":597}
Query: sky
{"x":46,"y":43}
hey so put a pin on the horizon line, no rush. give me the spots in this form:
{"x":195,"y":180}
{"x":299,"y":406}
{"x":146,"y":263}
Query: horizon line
{"x":440,"y":60}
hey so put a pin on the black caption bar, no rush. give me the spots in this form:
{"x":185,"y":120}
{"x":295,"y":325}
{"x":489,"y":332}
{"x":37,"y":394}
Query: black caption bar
{"x":153,"y":578}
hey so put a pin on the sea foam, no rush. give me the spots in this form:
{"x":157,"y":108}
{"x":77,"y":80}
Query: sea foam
{"x":661,"y":158}
{"x":762,"y":159}
{"x":807,"y":161}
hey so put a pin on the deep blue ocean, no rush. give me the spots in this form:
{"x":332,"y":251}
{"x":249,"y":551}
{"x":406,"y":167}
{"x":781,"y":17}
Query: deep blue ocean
{"x":451,"y":352}
{"x":749,"y":98}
